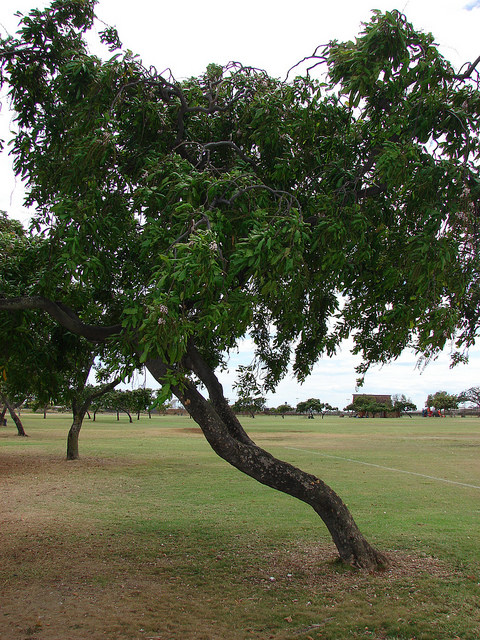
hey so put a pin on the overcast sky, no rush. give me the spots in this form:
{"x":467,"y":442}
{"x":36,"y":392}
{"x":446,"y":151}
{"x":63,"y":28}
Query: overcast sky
{"x":186,"y":36}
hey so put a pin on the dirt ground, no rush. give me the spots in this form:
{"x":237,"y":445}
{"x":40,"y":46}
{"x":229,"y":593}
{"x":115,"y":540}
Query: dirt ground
{"x":68,"y":578}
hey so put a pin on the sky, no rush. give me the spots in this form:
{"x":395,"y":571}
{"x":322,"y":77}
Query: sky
{"x":274,"y":36}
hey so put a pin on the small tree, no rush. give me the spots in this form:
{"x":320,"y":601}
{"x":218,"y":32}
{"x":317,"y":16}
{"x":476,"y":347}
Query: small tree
{"x":249,"y":404}
{"x":402,"y":404}
{"x":327,"y":408}
{"x":12,"y":407}
{"x":442,"y":401}
{"x":310,"y":406}
{"x":141,"y":399}
{"x":284,"y":408}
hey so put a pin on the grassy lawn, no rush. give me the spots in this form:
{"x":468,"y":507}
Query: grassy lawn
{"x":151,"y":536}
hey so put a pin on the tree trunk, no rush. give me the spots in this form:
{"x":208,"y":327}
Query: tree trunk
{"x":228,"y":439}
{"x":2,"y":415}
{"x":79,"y":410}
{"x":15,"y":417}
{"x":73,"y":435}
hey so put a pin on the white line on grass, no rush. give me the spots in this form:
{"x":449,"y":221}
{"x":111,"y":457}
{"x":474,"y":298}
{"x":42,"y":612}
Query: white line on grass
{"x":379,"y":466}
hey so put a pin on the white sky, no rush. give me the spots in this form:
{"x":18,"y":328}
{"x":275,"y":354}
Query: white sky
{"x":188,"y":35}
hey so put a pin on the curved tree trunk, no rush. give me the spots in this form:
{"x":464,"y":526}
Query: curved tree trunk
{"x":228,"y":439}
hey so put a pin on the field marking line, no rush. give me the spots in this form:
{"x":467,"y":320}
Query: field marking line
{"x":379,"y":466}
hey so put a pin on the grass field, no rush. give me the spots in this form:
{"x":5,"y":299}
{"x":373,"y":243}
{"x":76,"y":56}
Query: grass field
{"x":150,"y":536}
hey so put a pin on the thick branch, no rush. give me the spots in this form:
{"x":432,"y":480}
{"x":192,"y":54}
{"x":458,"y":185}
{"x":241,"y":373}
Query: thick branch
{"x":470,"y":69}
{"x":215,"y":391}
{"x":62,"y":314}
{"x":98,"y":393}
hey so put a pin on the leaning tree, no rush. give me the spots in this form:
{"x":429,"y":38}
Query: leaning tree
{"x":470,"y":395}
{"x":341,"y":202}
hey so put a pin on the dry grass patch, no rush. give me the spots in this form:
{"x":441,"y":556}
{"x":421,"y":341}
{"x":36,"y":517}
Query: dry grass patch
{"x":88,"y":553}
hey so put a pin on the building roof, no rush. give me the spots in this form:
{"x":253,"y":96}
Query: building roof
{"x":383,"y":399}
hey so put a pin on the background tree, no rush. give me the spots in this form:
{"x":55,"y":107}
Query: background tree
{"x":284,"y":408}
{"x":80,"y":395}
{"x":178,"y":216}
{"x":249,"y":404}
{"x":118,"y":401}
{"x":327,"y":408}
{"x":141,"y":400}
{"x":402,"y":404}
{"x":12,"y":409}
{"x":365,"y":406}
{"x":442,"y":401}
{"x":470,"y":395}
{"x":312,"y":405}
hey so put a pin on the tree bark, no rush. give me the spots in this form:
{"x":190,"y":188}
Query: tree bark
{"x":228,"y":439}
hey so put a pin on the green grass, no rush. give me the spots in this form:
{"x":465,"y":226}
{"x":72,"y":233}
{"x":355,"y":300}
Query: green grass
{"x":150,"y":516}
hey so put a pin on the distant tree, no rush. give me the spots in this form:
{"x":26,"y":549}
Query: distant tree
{"x":402,"y":404}
{"x":310,"y":406}
{"x":120,"y":400}
{"x":284,"y":408}
{"x":81,"y":399}
{"x":470,"y":395}
{"x":442,"y":401}
{"x":365,"y":405}
{"x":12,"y":407}
{"x":327,"y":408}
{"x":141,"y":399}
{"x":249,"y":404}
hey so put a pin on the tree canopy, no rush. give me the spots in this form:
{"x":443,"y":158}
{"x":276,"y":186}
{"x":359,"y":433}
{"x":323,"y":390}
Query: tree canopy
{"x":441,"y":400}
{"x":174,"y":218}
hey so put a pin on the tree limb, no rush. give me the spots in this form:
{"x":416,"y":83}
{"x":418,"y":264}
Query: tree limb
{"x":62,"y":314}
{"x":215,"y":391}
{"x":470,"y":69}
